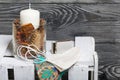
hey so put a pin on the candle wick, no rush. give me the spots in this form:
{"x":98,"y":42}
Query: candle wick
{"x":29,"y":4}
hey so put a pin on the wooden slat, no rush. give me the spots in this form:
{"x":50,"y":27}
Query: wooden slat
{"x":24,"y":72}
{"x":3,"y":69}
{"x":108,"y":47}
{"x":60,"y":1}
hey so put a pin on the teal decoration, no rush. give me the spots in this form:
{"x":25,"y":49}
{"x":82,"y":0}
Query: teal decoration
{"x":47,"y":74}
{"x":47,"y":70}
{"x":37,"y":68}
{"x":40,"y":59}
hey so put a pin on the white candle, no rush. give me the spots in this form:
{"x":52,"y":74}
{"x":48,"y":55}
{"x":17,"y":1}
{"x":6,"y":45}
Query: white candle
{"x":30,"y":16}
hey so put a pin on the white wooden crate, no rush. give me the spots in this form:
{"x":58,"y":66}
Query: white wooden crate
{"x":25,"y":70}
{"x":22,"y":70}
{"x":87,"y":66}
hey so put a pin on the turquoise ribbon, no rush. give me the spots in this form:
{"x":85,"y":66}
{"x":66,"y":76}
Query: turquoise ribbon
{"x":40,"y":59}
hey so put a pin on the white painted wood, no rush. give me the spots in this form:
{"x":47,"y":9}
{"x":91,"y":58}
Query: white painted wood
{"x":78,"y":72}
{"x":96,"y":66}
{"x":12,"y":62}
{"x":3,"y":73}
{"x":9,"y":50}
{"x":24,"y":72}
{"x":4,"y":41}
{"x":49,"y":46}
{"x":88,"y":60}
{"x":63,"y":46}
{"x":60,"y":46}
{"x":85,"y":43}
{"x":87,"y":48}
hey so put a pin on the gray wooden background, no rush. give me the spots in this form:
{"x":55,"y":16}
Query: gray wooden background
{"x":69,"y":18}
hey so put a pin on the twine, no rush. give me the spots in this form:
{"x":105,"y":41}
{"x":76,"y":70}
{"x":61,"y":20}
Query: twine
{"x":29,"y":50}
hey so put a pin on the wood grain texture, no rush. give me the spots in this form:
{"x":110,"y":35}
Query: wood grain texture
{"x":60,"y":1}
{"x":65,"y":21}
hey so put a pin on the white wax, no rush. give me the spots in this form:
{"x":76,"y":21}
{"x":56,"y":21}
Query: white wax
{"x":30,"y":16}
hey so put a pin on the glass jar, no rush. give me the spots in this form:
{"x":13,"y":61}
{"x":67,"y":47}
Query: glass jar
{"x":28,"y":41}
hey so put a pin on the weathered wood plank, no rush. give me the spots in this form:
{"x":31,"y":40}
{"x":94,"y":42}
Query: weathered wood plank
{"x":60,"y":1}
{"x":74,"y":19}
{"x":110,"y":71}
{"x":65,"y":21}
{"x":109,"y":60}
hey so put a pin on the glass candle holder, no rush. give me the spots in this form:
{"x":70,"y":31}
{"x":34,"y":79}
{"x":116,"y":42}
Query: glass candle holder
{"x":27,"y":40}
